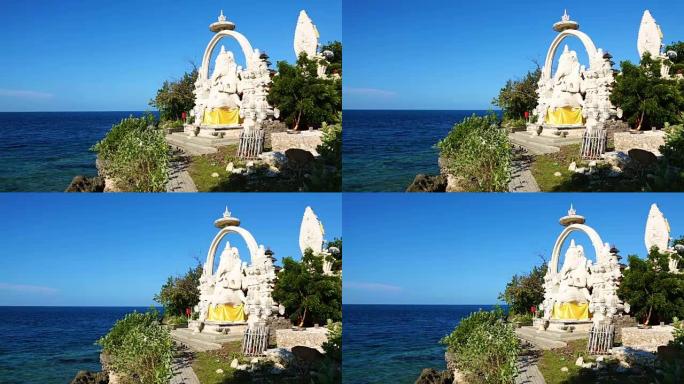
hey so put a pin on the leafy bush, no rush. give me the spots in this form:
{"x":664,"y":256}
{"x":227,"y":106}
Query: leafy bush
{"x":653,"y":292}
{"x":176,"y":97}
{"x":176,"y":320}
{"x":139,"y":349}
{"x":304,"y":99}
{"x":136,"y":155}
{"x":477,"y":150}
{"x":524,"y":292}
{"x":180,"y":293}
{"x":522,"y":319}
{"x":519,"y":96}
{"x":308,"y":295}
{"x":333,"y":346}
{"x":486,"y":348}
{"x":326,"y":175}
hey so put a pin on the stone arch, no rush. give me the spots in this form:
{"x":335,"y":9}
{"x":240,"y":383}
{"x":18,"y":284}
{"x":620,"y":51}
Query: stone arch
{"x":252,"y":244}
{"x":589,"y":231}
{"x":583,"y":37}
{"x":240,"y":38}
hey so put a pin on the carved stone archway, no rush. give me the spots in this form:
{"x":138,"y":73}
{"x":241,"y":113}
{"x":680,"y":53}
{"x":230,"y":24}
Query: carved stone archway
{"x":252,"y":244}
{"x":589,"y":45}
{"x":596,"y":242}
{"x":240,"y":38}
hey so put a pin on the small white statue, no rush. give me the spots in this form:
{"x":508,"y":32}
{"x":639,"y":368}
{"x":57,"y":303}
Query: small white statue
{"x":567,"y":82}
{"x":574,"y":276}
{"x":224,"y":82}
{"x":229,"y":279}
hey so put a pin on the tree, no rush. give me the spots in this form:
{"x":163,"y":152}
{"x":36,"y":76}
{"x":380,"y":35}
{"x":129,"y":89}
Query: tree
{"x":525,"y":291}
{"x":646,"y":99}
{"x":519,"y":96}
{"x":308,"y":295}
{"x":653,"y":292}
{"x":180,"y":292}
{"x":176,"y":97}
{"x":304,"y":99}
{"x":326,"y":175}
{"x":335,"y":63}
{"x":678,"y":62}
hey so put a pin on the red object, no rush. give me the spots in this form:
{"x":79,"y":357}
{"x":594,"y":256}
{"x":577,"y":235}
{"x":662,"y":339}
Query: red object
{"x":188,"y":312}
{"x":527,"y":115}
{"x":184,"y":115}
{"x":533,"y":309}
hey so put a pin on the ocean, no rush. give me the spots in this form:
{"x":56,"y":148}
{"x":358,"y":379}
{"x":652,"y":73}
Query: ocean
{"x":49,"y":345}
{"x":393,"y":343}
{"x":383,"y":151}
{"x":43,"y":151}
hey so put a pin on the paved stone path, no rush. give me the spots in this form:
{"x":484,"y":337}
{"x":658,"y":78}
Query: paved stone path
{"x":522,"y":180}
{"x":179,"y":178}
{"x":182,"y":370}
{"x":528,"y":372}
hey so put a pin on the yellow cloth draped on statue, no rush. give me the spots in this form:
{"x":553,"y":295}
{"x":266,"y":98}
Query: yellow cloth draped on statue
{"x":225,"y":312}
{"x":221,"y":116}
{"x":570,"y":311}
{"x":564,"y":116}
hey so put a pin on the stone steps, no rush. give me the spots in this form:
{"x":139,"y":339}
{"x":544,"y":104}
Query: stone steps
{"x":201,"y":342}
{"x":197,"y":145}
{"x":540,"y":339}
{"x":539,"y":145}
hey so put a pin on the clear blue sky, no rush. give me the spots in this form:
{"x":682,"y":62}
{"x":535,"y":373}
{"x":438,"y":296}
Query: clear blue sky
{"x":80,"y":55}
{"x":464,"y":248}
{"x":445,"y":54}
{"x":118,"y":249}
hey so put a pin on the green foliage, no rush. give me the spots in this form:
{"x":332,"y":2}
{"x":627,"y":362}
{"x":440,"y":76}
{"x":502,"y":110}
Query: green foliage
{"x":308,"y":295}
{"x":646,"y":99}
{"x":653,"y":292}
{"x":304,"y":99}
{"x":326,"y":175}
{"x":140,"y":349}
{"x":678,"y":334}
{"x":176,"y":320}
{"x":180,"y":292}
{"x":176,"y":97}
{"x":478,"y":151}
{"x":525,"y":291}
{"x":486,"y":348}
{"x":524,"y":319}
{"x":334,"y":64}
{"x":333,"y":346}
{"x":136,"y":155}
{"x":519,"y":96}
{"x":678,"y":63}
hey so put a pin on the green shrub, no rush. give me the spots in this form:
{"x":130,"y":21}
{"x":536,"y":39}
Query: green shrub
{"x":522,"y":319}
{"x":477,"y":150}
{"x":139,"y":349}
{"x":176,"y":320}
{"x":519,"y":96}
{"x":486,"y":348}
{"x":136,"y":155}
{"x":180,"y":292}
{"x":525,"y":291}
{"x":333,"y":346}
{"x":326,"y":175}
{"x":678,"y":333}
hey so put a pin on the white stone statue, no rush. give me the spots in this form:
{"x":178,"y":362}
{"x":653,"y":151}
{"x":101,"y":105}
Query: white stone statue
{"x":224,"y":82}
{"x":573,"y":277}
{"x":311,"y":232}
{"x":306,"y":36}
{"x":229,"y":279}
{"x":567,"y":82}
{"x":650,"y":36}
{"x":657,"y":232}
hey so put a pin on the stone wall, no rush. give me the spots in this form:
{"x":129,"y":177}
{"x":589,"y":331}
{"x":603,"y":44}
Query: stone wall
{"x":648,"y":140}
{"x":306,"y":140}
{"x":309,"y":337}
{"x":647,"y":339}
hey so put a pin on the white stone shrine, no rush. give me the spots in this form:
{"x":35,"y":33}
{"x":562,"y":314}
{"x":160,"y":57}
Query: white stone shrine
{"x":306,"y":41}
{"x":575,"y":97}
{"x":311,"y":236}
{"x":657,"y":235}
{"x":581,"y":291}
{"x":650,"y":41}
{"x":236,"y":293}
{"x":233,"y":97}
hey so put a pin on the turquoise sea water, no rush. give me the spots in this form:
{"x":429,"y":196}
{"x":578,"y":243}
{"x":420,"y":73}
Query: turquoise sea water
{"x":393,"y":343}
{"x":43,"y":151}
{"x":49,"y":345}
{"x":385,"y":150}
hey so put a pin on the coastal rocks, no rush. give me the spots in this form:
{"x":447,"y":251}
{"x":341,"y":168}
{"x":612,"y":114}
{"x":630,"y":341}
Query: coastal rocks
{"x":86,"y":184}
{"x":433,"y":376}
{"x":428,"y":183}
{"x":86,"y":377}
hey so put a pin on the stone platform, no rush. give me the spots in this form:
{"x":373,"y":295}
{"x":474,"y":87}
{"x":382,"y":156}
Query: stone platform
{"x":648,"y":140}
{"x":214,"y":131}
{"x":306,"y":140}
{"x":540,"y":145}
{"x":204,"y":341}
{"x":309,"y":337}
{"x":196,"y":145}
{"x":548,"y":339}
{"x":648,"y":339}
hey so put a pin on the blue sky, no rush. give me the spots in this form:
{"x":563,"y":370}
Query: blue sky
{"x":445,"y":54}
{"x":118,"y":249}
{"x":79,"y":55}
{"x":464,"y":248}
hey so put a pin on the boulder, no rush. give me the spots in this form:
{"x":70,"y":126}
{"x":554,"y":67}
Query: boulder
{"x":299,"y":158}
{"x":307,"y":356}
{"x":86,"y":184}
{"x":279,"y":355}
{"x":428,"y":183}
{"x":85,"y":377}
{"x":643,"y":157}
{"x":274,"y":159}
{"x":617,"y":160}
{"x":433,"y":376}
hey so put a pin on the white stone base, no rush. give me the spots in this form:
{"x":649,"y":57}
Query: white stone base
{"x":308,"y":337}
{"x":216,"y":327}
{"x":648,"y":140}
{"x":568,"y":131}
{"x":647,"y":339}
{"x":306,"y":140}
{"x":214,"y":131}
{"x":573,"y":326}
